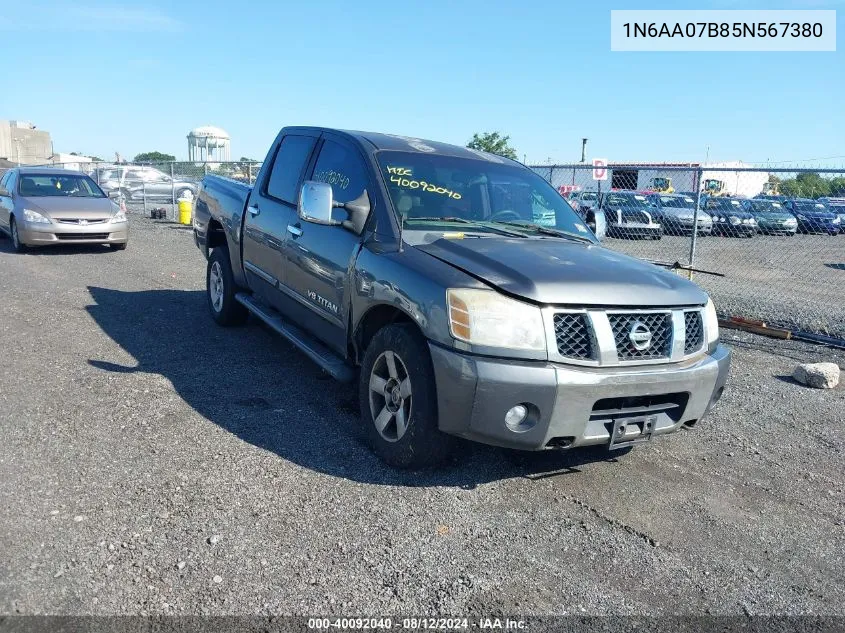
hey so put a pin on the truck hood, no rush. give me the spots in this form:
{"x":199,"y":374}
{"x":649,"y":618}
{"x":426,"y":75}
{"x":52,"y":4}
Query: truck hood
{"x":557,"y":271}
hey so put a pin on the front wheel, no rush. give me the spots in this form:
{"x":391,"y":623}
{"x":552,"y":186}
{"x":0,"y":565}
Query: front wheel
{"x":399,"y":401}
{"x":19,"y":246}
{"x":220,"y":290}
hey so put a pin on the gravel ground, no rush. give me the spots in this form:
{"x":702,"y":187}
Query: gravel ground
{"x":152,"y":462}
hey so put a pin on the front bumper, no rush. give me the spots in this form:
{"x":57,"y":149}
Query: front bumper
{"x":633,"y":230}
{"x":776,"y":228}
{"x":733,"y":230}
{"x":32,"y":234}
{"x":571,"y":406}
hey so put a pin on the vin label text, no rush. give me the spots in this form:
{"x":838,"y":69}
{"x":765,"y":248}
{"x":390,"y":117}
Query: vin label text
{"x":723,"y":30}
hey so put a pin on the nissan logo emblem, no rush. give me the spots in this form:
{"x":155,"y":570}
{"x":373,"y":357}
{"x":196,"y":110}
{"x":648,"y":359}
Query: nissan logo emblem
{"x":640,"y":336}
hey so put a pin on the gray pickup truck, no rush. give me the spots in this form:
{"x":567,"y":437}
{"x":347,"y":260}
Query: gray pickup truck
{"x":462,"y":292}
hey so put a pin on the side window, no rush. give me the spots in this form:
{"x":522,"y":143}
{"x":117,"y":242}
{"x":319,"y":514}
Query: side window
{"x":287,"y":167}
{"x":343,"y":169}
{"x":3,"y":180}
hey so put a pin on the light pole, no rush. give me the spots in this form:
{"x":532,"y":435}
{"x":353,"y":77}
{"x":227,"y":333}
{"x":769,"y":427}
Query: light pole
{"x":583,"y":149}
{"x":18,"y":148}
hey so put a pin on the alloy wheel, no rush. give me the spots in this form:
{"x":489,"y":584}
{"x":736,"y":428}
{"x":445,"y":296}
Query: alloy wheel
{"x":390,"y":396}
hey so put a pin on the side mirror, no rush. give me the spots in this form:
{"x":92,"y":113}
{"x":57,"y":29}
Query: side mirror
{"x":114,"y":195}
{"x":315,"y":202}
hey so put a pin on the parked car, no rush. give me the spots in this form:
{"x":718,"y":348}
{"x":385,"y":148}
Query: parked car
{"x":462,"y":293}
{"x":730,"y":219}
{"x":630,"y":216}
{"x":837,"y":206}
{"x":586,"y":209}
{"x":677,"y":214}
{"x":136,"y":182}
{"x":813,"y":216}
{"x":772,"y":217}
{"x":42,"y":206}
{"x":585,"y":200}
{"x":771,"y":196}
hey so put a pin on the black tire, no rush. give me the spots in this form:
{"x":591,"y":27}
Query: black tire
{"x":16,"y":242}
{"x":226,"y":311}
{"x":119,"y":247}
{"x":422,"y":444}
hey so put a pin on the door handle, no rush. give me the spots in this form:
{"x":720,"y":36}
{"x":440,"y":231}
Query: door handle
{"x":294,"y":230}
{"x":253,"y":210}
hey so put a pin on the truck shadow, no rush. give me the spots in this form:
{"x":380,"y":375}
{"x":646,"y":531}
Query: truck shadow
{"x":255,"y":385}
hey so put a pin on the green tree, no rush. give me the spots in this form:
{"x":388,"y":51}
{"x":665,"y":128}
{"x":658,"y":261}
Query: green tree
{"x":96,"y":159}
{"x":837,"y":187}
{"x":153,"y":157}
{"x":808,"y":184}
{"x":494,"y":143}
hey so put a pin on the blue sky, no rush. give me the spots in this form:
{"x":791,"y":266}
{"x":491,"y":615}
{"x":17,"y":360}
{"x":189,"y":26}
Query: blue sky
{"x":131,"y":77}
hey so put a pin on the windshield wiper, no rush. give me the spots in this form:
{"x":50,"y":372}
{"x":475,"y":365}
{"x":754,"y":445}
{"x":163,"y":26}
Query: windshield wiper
{"x":545,"y":230}
{"x":481,"y":225}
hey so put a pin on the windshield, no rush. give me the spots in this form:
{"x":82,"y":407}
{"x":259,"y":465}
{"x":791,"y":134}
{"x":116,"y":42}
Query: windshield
{"x":677,"y":202}
{"x":724,"y":204}
{"x":55,"y":186}
{"x":626,"y":200}
{"x":766,"y":206}
{"x":431,"y":188}
{"x":810,"y":207}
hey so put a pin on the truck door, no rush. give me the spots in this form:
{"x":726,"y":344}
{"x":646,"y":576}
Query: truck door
{"x":320,"y":256}
{"x":271,"y":208}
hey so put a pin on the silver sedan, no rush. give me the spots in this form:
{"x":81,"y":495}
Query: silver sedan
{"x":43,"y":207}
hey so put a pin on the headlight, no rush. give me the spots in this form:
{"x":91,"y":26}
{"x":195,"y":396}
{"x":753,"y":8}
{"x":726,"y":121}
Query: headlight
{"x":120,"y":216}
{"x":791,"y":222}
{"x":734,"y":220}
{"x":836,"y":220}
{"x":721,"y":218}
{"x":33,"y":216}
{"x":485,"y":317}
{"x":711,"y":325}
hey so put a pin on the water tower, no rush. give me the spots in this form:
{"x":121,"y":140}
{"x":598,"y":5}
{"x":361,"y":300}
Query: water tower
{"x":208,"y":144}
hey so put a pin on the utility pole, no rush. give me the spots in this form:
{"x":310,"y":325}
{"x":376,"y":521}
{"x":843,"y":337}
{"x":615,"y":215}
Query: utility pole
{"x":583,"y":150}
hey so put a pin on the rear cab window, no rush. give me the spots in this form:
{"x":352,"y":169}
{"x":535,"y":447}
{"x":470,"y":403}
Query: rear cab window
{"x":288,"y":165}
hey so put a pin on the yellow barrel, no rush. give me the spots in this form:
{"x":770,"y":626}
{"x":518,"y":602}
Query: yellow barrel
{"x":185,"y":208}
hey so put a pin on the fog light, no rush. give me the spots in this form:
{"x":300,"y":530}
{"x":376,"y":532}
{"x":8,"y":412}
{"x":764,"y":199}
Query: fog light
{"x":516,"y":415}
{"x":519,"y":418}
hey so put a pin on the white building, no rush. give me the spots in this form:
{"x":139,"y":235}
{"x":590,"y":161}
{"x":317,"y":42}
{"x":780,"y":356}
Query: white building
{"x":69,"y":161}
{"x":21,"y":142}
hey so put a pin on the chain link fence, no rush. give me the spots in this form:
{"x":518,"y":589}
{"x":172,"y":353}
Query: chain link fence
{"x":154,"y":189}
{"x":775,"y":234}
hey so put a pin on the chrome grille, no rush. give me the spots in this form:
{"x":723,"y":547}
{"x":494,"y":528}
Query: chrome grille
{"x":659,"y":324}
{"x":573,"y":337}
{"x":80,"y":221}
{"x":694,"y":332}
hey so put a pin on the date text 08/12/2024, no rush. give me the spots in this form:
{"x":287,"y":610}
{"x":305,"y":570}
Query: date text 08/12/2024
{"x":419,"y":623}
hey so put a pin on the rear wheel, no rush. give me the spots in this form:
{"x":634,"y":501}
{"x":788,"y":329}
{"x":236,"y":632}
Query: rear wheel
{"x":16,"y":238}
{"x":399,"y":402}
{"x":220,"y":290}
